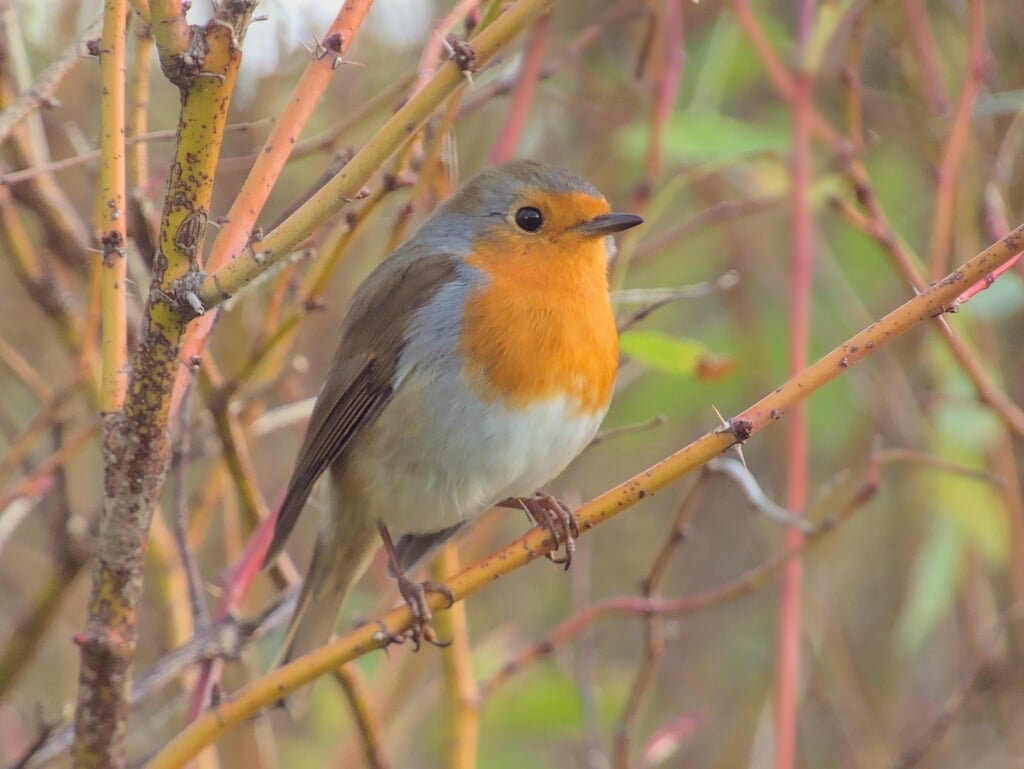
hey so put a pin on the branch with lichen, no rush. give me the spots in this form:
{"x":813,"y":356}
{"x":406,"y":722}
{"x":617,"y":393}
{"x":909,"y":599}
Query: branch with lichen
{"x":136,"y":443}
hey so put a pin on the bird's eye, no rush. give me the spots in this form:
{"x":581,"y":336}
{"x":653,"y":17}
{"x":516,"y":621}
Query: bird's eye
{"x":529,"y":219}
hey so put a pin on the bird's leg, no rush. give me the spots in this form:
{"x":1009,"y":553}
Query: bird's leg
{"x":555,"y":516}
{"x":415,"y":595}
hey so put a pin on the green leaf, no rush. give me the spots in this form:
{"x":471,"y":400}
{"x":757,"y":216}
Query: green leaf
{"x":698,"y":136}
{"x":680,"y":357}
{"x":966,"y":515}
{"x":935,"y":577}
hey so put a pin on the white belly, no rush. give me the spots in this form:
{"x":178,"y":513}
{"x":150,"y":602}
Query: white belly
{"x":432,"y":460}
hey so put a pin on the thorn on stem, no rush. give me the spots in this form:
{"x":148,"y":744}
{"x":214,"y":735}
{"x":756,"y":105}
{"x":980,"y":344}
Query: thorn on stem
{"x":332,"y":44}
{"x":195,"y":304}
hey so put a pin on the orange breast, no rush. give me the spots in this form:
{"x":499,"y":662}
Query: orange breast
{"x":542,"y":326}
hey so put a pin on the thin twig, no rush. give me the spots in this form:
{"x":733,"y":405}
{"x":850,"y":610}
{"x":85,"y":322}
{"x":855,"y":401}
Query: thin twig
{"x":656,"y":298}
{"x":671,"y":63}
{"x":511,"y":128}
{"x":957,"y":145}
{"x":27,"y":174}
{"x":41,"y":92}
{"x":928,"y":55}
{"x":758,"y":500}
{"x":653,"y":642}
{"x":617,"y":432}
{"x":179,"y":492}
{"x":982,"y":674}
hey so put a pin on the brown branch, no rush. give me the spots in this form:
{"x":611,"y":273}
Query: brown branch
{"x":44,"y":285}
{"x":876,"y":225}
{"x":929,"y":56}
{"x":670,"y":65}
{"x":34,"y":482}
{"x":233,"y":443}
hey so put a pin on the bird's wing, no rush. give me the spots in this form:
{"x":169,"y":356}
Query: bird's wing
{"x":361,"y":379}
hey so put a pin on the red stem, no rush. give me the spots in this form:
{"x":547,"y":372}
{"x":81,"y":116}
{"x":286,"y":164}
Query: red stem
{"x":522,"y":93}
{"x":234,"y":587}
{"x":926,"y":51}
{"x":790,"y":620}
{"x":957,"y":146}
{"x":666,"y":88}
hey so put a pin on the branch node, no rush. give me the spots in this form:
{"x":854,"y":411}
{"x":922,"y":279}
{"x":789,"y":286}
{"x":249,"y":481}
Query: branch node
{"x":260,"y":257}
{"x":464,"y":56}
{"x":183,"y":68}
{"x":183,"y":295}
{"x":740,"y":429}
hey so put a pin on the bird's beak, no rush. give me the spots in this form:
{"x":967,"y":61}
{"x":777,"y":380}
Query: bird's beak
{"x":609,"y":223}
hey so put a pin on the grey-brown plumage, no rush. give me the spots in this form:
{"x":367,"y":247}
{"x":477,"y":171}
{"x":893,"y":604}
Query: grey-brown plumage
{"x":358,"y":387}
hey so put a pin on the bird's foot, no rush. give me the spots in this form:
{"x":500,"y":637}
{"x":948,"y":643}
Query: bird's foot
{"x":555,"y":516}
{"x":415,"y":595}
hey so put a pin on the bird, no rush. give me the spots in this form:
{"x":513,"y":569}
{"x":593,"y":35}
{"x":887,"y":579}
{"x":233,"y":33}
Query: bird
{"x":475,"y":362}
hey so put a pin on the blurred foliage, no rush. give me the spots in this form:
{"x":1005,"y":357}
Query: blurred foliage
{"x":901,"y":602}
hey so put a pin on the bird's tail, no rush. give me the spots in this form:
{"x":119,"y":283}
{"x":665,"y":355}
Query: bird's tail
{"x":339,"y":559}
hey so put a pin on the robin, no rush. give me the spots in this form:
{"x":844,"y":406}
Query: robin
{"x":475,"y":362}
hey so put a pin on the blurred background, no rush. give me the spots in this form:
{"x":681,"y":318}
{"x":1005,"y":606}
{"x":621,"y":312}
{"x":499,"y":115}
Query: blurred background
{"x":910,"y":644}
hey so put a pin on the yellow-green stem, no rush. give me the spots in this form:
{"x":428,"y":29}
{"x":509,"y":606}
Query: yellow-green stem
{"x":109,"y":215}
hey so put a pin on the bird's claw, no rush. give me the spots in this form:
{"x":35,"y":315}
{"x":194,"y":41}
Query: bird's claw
{"x":559,"y":521}
{"x":415,"y":595}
